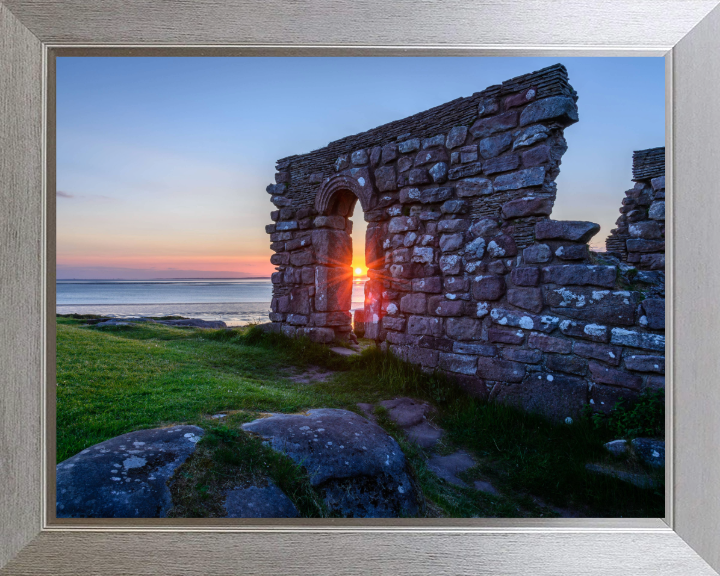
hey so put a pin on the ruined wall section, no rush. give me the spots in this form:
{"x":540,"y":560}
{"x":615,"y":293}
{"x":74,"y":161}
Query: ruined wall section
{"x":639,"y":238}
{"x":468,"y":275}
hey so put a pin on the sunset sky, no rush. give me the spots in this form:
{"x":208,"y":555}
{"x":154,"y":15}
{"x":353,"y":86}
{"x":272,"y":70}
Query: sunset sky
{"x":162,"y":163}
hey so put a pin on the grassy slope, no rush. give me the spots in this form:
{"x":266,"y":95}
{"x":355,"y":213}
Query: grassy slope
{"x":112,"y":381}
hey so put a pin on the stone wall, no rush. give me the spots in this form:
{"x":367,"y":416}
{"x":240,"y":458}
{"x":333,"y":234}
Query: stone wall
{"x":468,"y":275}
{"x":639,"y":238}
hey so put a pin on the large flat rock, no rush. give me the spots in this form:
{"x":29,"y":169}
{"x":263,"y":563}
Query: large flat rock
{"x":354,"y":463}
{"x":124,"y":477}
{"x":259,"y":502}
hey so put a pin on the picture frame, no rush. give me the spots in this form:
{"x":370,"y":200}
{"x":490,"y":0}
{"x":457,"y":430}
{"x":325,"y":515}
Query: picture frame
{"x":686,"y":33}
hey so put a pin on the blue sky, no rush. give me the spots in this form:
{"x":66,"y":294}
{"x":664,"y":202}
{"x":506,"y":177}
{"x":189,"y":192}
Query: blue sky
{"x":162,"y":163}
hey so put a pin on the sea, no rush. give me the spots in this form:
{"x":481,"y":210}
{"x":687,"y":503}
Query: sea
{"x":237,"y":302}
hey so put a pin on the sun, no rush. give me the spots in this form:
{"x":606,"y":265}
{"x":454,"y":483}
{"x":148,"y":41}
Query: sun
{"x":358,"y":272}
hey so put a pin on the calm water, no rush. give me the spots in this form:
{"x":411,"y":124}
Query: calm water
{"x":237,"y":302}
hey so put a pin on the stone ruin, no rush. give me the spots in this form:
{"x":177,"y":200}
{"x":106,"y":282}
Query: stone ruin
{"x":468,"y":275}
{"x":639,"y":238}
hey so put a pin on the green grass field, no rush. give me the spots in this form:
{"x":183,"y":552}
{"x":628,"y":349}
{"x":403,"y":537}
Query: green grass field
{"x":118,"y":379}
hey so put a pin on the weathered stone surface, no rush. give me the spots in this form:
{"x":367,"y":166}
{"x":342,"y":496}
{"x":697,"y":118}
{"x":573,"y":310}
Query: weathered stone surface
{"x":645,"y":363}
{"x":432,"y":284}
{"x":554,"y":396}
{"x":333,"y":288}
{"x":438,"y":172}
{"x":425,"y":325}
{"x":359,"y":157}
{"x":654,"y":313}
{"x":332,"y":247}
{"x":488,"y":287}
{"x":648,"y":230}
{"x":418,"y":176}
{"x":572,"y":252}
{"x":259,"y":502}
{"x":580,"y":275}
{"x":524,"y":356}
{"x":463,"y":328}
{"x":536,"y":156}
{"x":126,"y":476}
{"x":465,"y":171}
{"x":506,"y":336}
{"x":454,"y":207}
{"x":604,"y":375}
{"x":401,"y":224}
{"x":413,"y":304}
{"x":492,"y":124}
{"x":657,"y":210}
{"x":500,"y":370}
{"x":451,"y":242}
{"x":448,"y":467}
{"x":389,"y":152}
{"x":495,"y":145}
{"x":450,"y":264}
{"x":501,"y":164}
{"x":640,"y":245}
{"x":502,"y":246}
{"x":530,"y":136}
{"x":456,"y":137}
{"x":567,"y":364}
{"x":537,"y":254}
{"x":468,"y":154}
{"x":473,"y":187}
{"x":653,"y":261}
{"x":585,"y":330}
{"x":459,"y":363}
{"x":386,"y":178}
{"x":520,"y":179}
{"x":549,"y":343}
{"x":527,"y":207}
{"x":575,"y":231}
{"x":337,"y":222}
{"x":525,"y":276}
{"x":559,"y":108}
{"x":650,"y":450}
{"x":617,"y":447}
{"x":592,"y":305}
{"x":359,"y":468}
{"x":474,"y":348}
{"x":423,"y":255}
{"x":526,"y":298}
{"x":524,"y":320}
{"x":431,"y":157}
{"x":409,"y":145}
{"x":433,"y":195}
{"x":608,"y":354}
{"x":658,"y":183}
{"x":623,"y":337}
{"x":422,"y":356}
{"x":439,"y":306}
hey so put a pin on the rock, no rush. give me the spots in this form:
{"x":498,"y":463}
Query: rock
{"x":580,"y":275}
{"x":657,"y":210}
{"x":430,"y":157}
{"x":608,"y":354}
{"x":555,"y":396}
{"x":432,"y":195}
{"x":574,"y":231}
{"x":500,"y":370}
{"x":536,"y":156}
{"x":658,"y":183}
{"x":355,"y":464}
{"x":641,"y":245}
{"x":572,"y":252}
{"x":526,"y":298}
{"x":438,"y":172}
{"x":463,"y":328}
{"x":425,"y":325}
{"x":456,"y":137}
{"x":450,"y":242}
{"x":332,"y":247}
{"x":484,"y":486}
{"x":623,"y":337}
{"x":604,"y":375}
{"x":648,"y":230}
{"x":502,"y":246}
{"x":126,"y":476}
{"x":465,"y":171}
{"x":409,"y":145}
{"x":501,"y":164}
{"x":474,"y":187}
{"x":406,"y":412}
{"x":550,"y":343}
{"x":645,"y":363}
{"x":400,"y":224}
{"x":593,"y":305}
{"x":492,"y":124}
{"x":653,"y":261}
{"x":488,"y":287}
{"x":359,"y":158}
{"x":418,"y":176}
{"x":495,"y":145}
{"x":524,"y":356}
{"x":567,"y":364}
{"x":468,"y":154}
{"x":654,"y":309}
{"x":530,"y":136}
{"x":333,"y":288}
{"x":506,"y":337}
{"x":524,"y":320}
{"x":389,"y":152}
{"x":447,"y":467}
{"x":527,"y":207}
{"x":439,"y":306}
{"x":520,"y":179}
{"x":576,"y":329}
{"x":643,"y":481}
{"x":342,"y":351}
{"x":454,"y":207}
{"x":617,"y":447}
{"x":650,"y":450}
{"x":559,"y":108}
{"x":525,"y":276}
{"x":424,"y":435}
{"x":256,"y":502}
{"x":537,"y":254}
{"x":386,"y":179}
{"x":458,"y":363}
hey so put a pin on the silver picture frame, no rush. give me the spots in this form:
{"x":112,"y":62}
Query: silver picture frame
{"x":32,"y":34}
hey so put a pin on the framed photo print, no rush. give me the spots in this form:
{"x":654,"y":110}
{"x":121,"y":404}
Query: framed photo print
{"x":289,"y":289}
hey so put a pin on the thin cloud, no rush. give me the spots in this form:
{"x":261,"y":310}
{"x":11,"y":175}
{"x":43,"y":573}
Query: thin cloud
{"x":61,"y":194}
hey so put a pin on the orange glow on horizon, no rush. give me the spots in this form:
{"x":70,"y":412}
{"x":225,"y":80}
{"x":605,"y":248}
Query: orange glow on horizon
{"x":359,"y":271}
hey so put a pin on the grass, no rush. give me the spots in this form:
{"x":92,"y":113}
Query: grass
{"x":112,"y":380}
